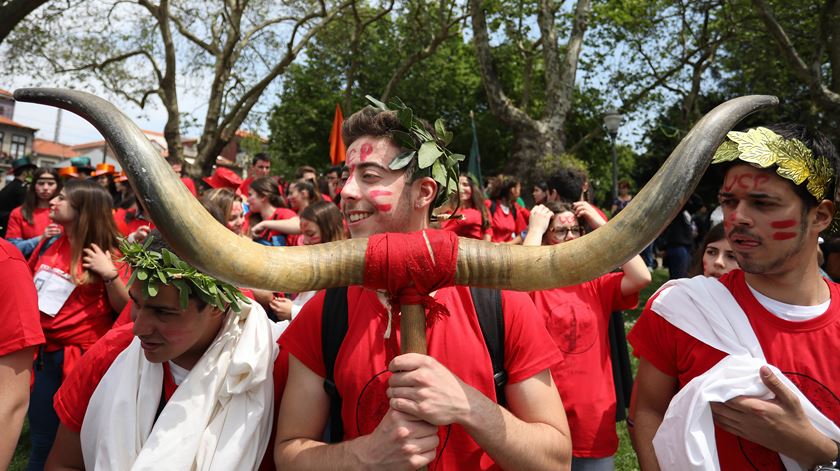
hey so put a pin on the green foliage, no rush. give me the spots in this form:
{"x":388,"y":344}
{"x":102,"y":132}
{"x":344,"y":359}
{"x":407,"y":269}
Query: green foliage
{"x":165,"y":268}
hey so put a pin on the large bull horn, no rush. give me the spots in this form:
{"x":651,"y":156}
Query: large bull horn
{"x":638,"y":224}
{"x":210,"y":247}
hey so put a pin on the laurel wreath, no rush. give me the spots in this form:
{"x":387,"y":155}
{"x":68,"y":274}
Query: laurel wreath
{"x":166,"y":268}
{"x":434,"y":159}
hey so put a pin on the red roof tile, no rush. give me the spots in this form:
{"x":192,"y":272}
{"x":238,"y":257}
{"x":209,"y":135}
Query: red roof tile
{"x":9,"y":122}
{"x":53,"y":149}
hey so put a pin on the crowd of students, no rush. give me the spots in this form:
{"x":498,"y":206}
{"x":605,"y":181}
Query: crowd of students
{"x":69,"y":227}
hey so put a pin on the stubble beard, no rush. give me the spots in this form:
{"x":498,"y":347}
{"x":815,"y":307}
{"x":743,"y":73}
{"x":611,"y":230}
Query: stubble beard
{"x":773,"y":266}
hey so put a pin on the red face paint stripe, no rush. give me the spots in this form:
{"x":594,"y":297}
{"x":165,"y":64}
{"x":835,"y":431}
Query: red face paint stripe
{"x":783,"y":224}
{"x":383,"y":207}
{"x":784,"y":235}
{"x":366,"y":151}
{"x":378,"y":193}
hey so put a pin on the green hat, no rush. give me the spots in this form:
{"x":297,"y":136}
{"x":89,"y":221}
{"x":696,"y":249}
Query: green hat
{"x":21,"y":164}
{"x":81,"y":163}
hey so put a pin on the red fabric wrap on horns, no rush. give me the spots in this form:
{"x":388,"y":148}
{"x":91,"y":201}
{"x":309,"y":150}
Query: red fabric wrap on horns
{"x":410,"y":266}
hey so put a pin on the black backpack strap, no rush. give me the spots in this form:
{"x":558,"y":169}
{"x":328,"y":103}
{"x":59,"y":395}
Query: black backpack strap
{"x":333,"y":330}
{"x":488,"y":307}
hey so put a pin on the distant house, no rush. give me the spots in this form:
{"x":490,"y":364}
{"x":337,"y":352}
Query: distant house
{"x":100,"y":152}
{"x":15,"y":138}
{"x":51,"y":154}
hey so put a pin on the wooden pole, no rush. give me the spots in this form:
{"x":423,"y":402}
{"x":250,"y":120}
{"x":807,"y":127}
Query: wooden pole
{"x":413,"y":332}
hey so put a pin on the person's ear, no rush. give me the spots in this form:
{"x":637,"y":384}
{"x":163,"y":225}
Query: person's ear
{"x":823,"y":214}
{"x":425,"y":192}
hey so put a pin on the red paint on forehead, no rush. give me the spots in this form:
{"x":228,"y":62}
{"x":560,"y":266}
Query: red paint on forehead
{"x":760,"y":180}
{"x":378,"y":193}
{"x":567,"y":218}
{"x":783,"y":235}
{"x":783,"y":224}
{"x":367,"y":149}
{"x":383,"y":208}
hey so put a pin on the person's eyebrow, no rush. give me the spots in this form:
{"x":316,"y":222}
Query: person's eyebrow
{"x":763,"y":196}
{"x":365,"y":165}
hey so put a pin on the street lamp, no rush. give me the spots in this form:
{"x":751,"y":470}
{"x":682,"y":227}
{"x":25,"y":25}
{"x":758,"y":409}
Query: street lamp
{"x":612,"y":121}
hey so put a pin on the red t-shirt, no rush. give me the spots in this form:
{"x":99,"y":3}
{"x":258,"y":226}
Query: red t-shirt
{"x":269,"y":235}
{"x":806,"y":352}
{"x":505,"y":226}
{"x":361,"y":370}
{"x":20,"y":324}
{"x":72,"y":399}
{"x":578,"y":319}
{"x":190,"y":184}
{"x":18,"y":228}
{"x":128,"y":223}
{"x":86,"y":315}
{"x":469,"y":226}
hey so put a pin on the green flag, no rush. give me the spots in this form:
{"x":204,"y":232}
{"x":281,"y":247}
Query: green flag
{"x":474,"y":165}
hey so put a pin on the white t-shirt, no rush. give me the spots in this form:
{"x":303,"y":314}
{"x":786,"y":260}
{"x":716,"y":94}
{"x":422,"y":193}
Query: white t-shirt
{"x":790,"y":312}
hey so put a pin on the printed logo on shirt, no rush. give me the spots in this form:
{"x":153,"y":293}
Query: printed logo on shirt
{"x":824,"y":400}
{"x":574,"y":330}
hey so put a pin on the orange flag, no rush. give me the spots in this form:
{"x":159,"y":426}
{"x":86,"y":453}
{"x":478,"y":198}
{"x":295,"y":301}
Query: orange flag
{"x":336,"y":141}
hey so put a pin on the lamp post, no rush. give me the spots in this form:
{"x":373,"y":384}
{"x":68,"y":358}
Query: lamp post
{"x":612,"y":121}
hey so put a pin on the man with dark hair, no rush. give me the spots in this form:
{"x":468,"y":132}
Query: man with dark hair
{"x":760,"y":344}
{"x":189,"y":384}
{"x":260,"y":167}
{"x":566,"y":186}
{"x":406,"y":411}
{"x":306,"y":172}
{"x":333,"y":177}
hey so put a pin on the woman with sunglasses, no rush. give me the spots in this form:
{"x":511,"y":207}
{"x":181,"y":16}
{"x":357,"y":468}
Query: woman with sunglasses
{"x":578,"y":319}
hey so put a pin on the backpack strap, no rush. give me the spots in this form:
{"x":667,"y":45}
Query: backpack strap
{"x":488,"y":307}
{"x":333,"y":330}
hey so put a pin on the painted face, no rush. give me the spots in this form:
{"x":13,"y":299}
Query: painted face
{"x":375,"y":199}
{"x":718,"y":259}
{"x":539,"y":195}
{"x":60,"y":209}
{"x":45,"y":187}
{"x":166,"y":331}
{"x":261,"y":168}
{"x":764,"y":220}
{"x":311,"y":232}
{"x":465,"y":190}
{"x":563,"y":228}
{"x":236,"y":217}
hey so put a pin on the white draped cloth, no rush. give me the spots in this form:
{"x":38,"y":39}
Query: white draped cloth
{"x":705,"y":309}
{"x":219,"y":417}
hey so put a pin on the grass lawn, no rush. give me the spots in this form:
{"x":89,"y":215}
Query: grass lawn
{"x":625,"y":458}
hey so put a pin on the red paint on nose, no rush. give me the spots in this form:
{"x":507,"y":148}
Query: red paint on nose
{"x":783,"y":235}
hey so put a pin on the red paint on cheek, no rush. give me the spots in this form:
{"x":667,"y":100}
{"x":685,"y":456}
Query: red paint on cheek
{"x":366,"y":151}
{"x":383,"y":208}
{"x":727,"y":224}
{"x":378,"y":193}
{"x":783,"y":235}
{"x":783,"y":224}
